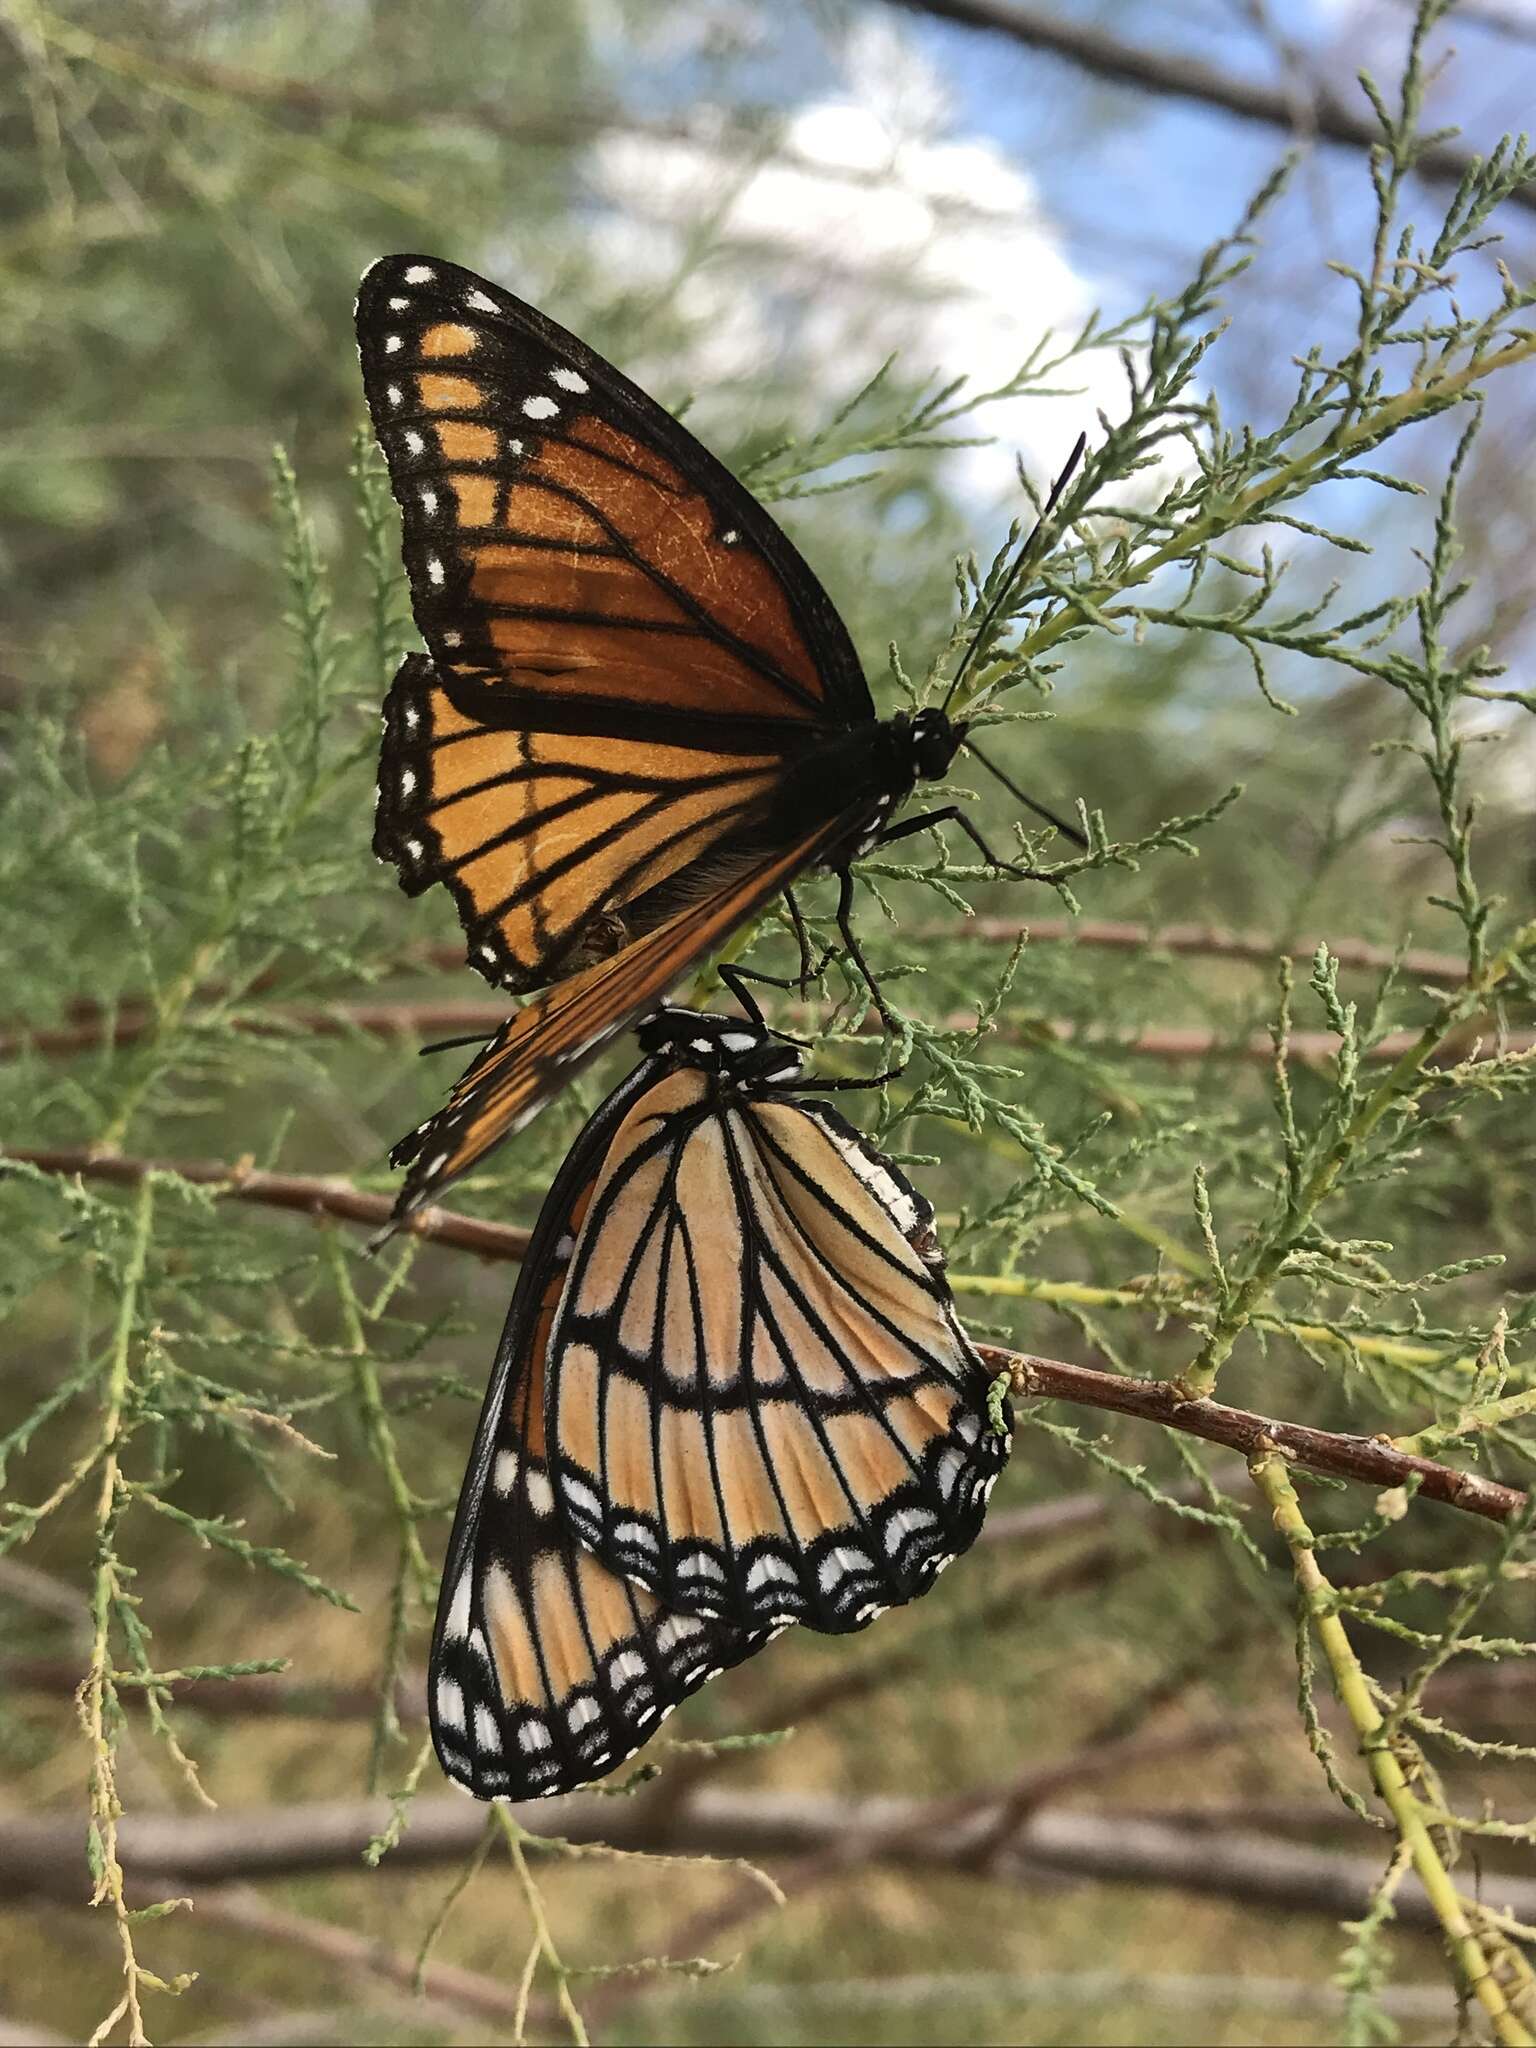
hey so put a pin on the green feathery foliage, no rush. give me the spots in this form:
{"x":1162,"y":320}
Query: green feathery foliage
{"x":226,"y":1428}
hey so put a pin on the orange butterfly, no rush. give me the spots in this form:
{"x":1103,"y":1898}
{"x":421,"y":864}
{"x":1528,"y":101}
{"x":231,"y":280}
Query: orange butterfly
{"x":639,"y":716}
{"x":731,"y":1394}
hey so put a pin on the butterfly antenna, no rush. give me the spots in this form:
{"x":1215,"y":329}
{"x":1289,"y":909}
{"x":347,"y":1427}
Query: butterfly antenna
{"x":1067,"y":831}
{"x":448,"y":1044}
{"x":1021,"y":562}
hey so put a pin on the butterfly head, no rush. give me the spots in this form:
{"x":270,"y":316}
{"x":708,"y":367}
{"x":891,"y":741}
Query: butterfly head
{"x":934,"y":739}
{"x":729,"y":1046}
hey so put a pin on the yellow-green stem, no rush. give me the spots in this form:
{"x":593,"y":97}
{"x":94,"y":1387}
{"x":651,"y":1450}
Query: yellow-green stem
{"x":543,"y":1940}
{"x":1410,"y":1818}
{"x":96,"y":1688}
{"x":370,"y":1401}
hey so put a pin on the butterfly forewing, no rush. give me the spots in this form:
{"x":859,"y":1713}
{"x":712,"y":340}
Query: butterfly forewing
{"x":760,"y":1404}
{"x":548,"y":1668}
{"x":626,"y":653}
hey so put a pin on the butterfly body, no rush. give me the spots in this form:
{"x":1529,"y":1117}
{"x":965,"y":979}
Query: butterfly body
{"x":731,"y":1393}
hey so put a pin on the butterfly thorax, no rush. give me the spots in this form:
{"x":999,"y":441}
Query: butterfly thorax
{"x":732,"y":1049}
{"x":866,"y":772}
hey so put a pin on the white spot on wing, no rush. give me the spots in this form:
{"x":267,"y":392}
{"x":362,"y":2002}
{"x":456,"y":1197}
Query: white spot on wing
{"x":568,"y":380}
{"x":540,"y":407}
{"x":581,"y":1497}
{"x":487,"y":1734}
{"x":420,"y":273}
{"x":480,"y":302}
{"x":699,"y":1566}
{"x":457,"y":1623}
{"x":504,"y":1475}
{"x":429,"y":501}
{"x":393,"y":344}
{"x":540,"y":1496}
{"x":450,"y":1704}
{"x":434,"y":569}
{"x":533,"y":1736}
{"x":768,"y":1568}
{"x":906,"y":1522}
{"x":414,"y":441}
{"x":841,"y":1564}
{"x":583,"y":1712}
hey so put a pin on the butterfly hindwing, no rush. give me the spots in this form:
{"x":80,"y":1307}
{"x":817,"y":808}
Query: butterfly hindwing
{"x":760,"y":1404}
{"x":626,"y":653}
{"x":548,"y":1669}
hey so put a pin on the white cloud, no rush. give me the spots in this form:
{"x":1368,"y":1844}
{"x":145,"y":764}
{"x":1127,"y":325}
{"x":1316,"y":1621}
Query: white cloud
{"x":866,"y":230}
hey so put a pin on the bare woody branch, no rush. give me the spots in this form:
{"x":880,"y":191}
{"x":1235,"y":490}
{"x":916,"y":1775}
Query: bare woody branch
{"x":308,"y":1194}
{"x":1182,"y":76}
{"x":1373,"y":1461}
{"x":40,"y":1856}
{"x":1369,"y":1460}
{"x":479,"y":1017}
{"x":89,"y":1026}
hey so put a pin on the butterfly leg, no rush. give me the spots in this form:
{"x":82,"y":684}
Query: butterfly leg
{"x":855,"y":951}
{"x":810,"y":970}
{"x":858,"y":1080}
{"x":953,"y":815}
{"x":734,"y":980}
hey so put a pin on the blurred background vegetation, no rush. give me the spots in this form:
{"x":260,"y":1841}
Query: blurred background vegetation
{"x":750,"y":207}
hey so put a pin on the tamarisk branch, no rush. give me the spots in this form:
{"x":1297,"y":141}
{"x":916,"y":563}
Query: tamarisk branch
{"x":1372,"y":1461}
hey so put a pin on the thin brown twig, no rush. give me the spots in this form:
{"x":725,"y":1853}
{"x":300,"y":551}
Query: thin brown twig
{"x":1370,"y":1460}
{"x":308,"y":1194}
{"x":480,"y":1016}
{"x":91,"y":1026}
